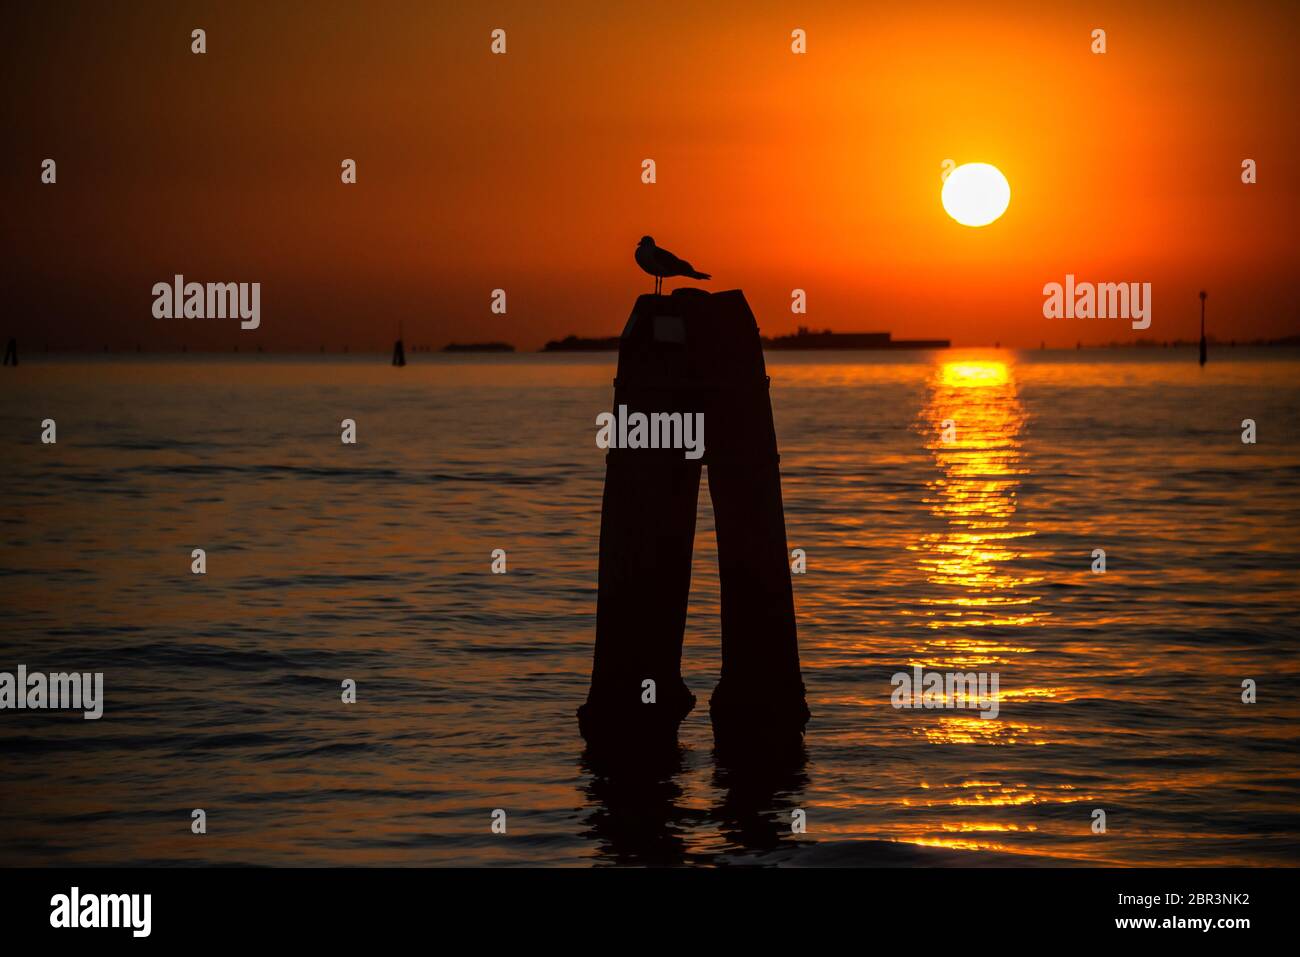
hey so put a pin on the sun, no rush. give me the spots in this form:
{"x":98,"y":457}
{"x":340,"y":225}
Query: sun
{"x":975,"y":194}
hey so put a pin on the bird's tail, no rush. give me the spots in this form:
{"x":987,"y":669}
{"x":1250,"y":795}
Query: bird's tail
{"x":696,"y":274}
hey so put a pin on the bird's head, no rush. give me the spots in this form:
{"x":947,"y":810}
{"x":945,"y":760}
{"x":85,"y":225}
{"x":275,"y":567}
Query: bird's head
{"x":646,"y":241}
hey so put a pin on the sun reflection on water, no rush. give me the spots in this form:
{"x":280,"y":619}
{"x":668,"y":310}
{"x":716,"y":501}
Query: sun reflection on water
{"x":972,"y":423}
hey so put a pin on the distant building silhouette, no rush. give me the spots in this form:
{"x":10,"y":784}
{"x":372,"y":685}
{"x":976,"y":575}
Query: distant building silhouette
{"x":805,"y":338}
{"x":577,"y":344}
{"x":478,"y":347}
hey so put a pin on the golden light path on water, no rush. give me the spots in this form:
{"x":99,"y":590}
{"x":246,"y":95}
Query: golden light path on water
{"x":975,"y":420}
{"x":972,"y":423}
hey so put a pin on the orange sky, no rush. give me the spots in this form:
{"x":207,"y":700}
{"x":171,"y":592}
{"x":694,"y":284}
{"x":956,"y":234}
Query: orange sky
{"x":522,"y":171}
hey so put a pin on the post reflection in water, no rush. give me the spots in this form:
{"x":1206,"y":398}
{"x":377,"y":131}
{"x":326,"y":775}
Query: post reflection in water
{"x":637,"y":812}
{"x":641,"y":815}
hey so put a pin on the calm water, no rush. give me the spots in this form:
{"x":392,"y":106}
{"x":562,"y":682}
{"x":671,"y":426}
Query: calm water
{"x":325,"y":562}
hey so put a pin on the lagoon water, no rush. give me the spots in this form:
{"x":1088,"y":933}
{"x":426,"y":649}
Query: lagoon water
{"x":325,"y":562}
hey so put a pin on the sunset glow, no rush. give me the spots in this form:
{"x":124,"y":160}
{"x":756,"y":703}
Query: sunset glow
{"x":774,"y":170}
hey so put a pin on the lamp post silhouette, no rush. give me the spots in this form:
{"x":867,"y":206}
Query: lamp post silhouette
{"x":1202,"y":327}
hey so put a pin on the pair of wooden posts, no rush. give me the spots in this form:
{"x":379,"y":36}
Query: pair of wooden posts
{"x":688,"y":353}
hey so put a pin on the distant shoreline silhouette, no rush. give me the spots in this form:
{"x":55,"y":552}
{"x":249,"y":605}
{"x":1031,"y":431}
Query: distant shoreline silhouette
{"x":575,"y":343}
{"x":478,"y":347}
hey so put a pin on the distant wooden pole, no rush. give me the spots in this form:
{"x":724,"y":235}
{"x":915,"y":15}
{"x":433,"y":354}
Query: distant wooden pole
{"x":1203,"y":356}
{"x":11,"y":352}
{"x":399,"y":351}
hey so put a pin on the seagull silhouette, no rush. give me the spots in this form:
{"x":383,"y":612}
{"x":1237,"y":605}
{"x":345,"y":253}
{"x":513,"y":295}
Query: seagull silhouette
{"x":661,"y":264}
